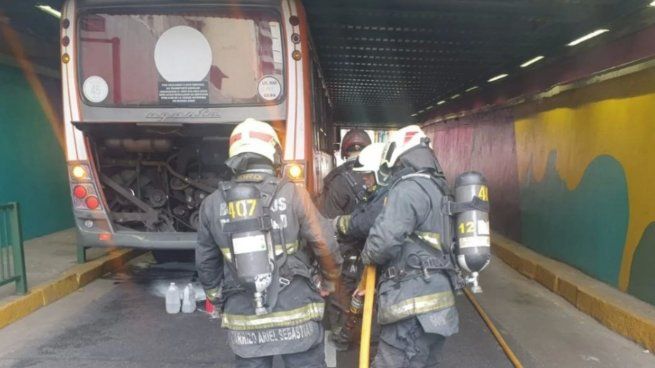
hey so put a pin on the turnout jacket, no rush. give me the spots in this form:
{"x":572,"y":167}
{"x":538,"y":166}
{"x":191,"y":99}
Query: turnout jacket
{"x":295,"y":308}
{"x":356,"y":226}
{"x":407,"y":242}
{"x":343,"y":189}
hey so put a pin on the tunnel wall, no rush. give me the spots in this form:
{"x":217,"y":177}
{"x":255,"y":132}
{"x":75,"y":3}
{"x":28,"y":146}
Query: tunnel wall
{"x":32,"y":164}
{"x":571,"y":176}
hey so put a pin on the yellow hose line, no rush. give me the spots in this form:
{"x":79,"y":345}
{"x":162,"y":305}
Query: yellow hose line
{"x":501,"y":341}
{"x":367,"y":316}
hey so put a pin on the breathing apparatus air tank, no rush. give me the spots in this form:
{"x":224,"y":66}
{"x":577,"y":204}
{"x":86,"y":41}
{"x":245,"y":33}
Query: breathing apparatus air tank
{"x":472,"y":226}
{"x":251,"y":245}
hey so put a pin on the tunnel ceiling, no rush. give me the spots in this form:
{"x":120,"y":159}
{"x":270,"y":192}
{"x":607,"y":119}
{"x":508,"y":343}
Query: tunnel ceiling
{"x":384,"y":61}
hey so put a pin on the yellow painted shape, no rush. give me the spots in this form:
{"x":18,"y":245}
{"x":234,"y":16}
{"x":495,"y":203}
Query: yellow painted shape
{"x":615,"y":118}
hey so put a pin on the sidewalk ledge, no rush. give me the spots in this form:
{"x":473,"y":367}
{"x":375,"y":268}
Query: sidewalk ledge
{"x":618,"y":311}
{"x":71,"y":280}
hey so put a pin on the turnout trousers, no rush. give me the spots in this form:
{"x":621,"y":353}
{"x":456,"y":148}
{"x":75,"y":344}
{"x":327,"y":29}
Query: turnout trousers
{"x":405,"y":344}
{"x":312,"y":358}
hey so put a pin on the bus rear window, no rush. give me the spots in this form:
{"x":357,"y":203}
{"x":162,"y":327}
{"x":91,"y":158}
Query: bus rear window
{"x":219,"y":57}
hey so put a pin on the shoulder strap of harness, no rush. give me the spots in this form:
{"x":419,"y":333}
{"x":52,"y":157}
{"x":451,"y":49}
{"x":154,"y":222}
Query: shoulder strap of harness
{"x":346,"y":170}
{"x":359,"y":193}
{"x":444,"y":259}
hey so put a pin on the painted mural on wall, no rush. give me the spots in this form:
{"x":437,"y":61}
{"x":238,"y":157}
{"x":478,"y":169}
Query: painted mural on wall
{"x":485,"y":144}
{"x":573,"y":176}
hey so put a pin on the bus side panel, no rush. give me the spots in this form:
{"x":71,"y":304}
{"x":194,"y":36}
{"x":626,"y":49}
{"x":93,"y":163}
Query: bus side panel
{"x":306,"y":110}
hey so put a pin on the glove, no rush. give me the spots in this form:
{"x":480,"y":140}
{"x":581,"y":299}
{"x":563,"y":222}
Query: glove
{"x":214,"y":296}
{"x":340,"y":224}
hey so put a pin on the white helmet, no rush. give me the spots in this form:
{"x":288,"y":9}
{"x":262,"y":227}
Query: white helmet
{"x":370,"y":158}
{"x":254,"y":136}
{"x":401,"y":141}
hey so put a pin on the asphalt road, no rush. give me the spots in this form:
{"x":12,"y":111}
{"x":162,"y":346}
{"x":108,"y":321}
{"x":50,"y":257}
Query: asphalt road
{"x":120,"y":321}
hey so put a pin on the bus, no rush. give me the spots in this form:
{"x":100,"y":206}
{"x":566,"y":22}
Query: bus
{"x":151,"y":92}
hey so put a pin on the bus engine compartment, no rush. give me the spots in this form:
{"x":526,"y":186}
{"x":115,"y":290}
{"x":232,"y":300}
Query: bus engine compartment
{"x":156,"y":183}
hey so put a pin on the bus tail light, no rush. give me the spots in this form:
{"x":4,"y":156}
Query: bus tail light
{"x":83,"y":188}
{"x":104,"y":237}
{"x":79,"y":191}
{"x":295,"y":172}
{"x":92,"y":202}
{"x":80,"y":172}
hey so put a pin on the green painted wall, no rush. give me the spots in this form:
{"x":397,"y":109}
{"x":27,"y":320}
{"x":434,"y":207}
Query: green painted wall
{"x":586,"y":226}
{"x":642,"y":277}
{"x":32,"y":164}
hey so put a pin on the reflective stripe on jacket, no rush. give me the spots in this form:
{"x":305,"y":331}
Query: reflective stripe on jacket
{"x":411,"y":212}
{"x":296,"y":302}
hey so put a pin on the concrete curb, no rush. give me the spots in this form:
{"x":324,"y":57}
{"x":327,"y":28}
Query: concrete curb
{"x":71,"y":280}
{"x":616,"y":310}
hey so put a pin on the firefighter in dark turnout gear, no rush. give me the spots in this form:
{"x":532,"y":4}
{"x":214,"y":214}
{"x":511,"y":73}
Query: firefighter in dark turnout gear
{"x":411,"y":243}
{"x":291,"y":306}
{"x":343,"y":187}
{"x":356,"y":225}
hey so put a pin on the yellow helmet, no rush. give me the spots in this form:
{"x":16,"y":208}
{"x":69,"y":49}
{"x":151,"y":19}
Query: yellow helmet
{"x":254,"y":136}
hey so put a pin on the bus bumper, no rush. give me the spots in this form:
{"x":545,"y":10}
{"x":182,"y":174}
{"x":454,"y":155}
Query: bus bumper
{"x":137,"y":239}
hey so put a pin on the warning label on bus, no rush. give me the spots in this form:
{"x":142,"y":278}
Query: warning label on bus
{"x":183,"y":93}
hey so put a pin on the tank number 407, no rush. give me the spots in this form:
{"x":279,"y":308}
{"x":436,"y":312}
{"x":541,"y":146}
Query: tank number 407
{"x":242,"y":208}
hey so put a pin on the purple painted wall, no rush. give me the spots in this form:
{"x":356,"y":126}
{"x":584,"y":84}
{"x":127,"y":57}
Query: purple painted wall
{"x":484,"y":143}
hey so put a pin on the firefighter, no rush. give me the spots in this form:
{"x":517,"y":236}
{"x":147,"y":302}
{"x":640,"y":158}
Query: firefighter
{"x":411,"y":243}
{"x":343,"y":187}
{"x":357,"y":224}
{"x":251,"y":260}
{"x":355,"y":228}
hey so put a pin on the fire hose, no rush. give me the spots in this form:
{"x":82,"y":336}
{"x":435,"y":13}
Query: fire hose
{"x":367,"y":283}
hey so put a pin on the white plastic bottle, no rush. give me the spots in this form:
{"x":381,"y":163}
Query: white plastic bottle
{"x":189,"y":299}
{"x":172,"y":299}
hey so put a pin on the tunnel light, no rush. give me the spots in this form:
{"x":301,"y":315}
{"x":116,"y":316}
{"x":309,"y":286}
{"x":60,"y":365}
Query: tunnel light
{"x":532,"y":61}
{"x":414,"y":114}
{"x":498,"y":77}
{"x":441,"y":102}
{"x":587,"y":37}
{"x":472,"y":89}
{"x":453,"y":97}
{"x":652,"y":4}
{"x":430,"y":107}
{"x":50,"y":10}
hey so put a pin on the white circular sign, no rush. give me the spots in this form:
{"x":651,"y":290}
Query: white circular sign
{"x":269,"y":88}
{"x":95,"y":89}
{"x":183,"y":54}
